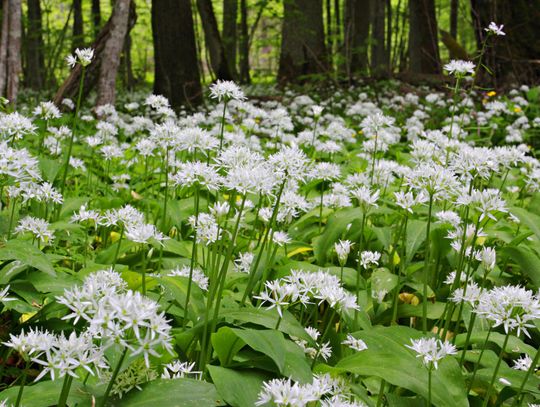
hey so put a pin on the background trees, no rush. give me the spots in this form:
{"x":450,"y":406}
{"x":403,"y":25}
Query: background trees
{"x":177,"y":44}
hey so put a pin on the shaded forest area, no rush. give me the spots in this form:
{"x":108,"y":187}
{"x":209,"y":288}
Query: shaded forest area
{"x":176,"y":45}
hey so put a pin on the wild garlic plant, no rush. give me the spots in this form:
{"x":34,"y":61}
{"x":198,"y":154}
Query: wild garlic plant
{"x":295,"y":246}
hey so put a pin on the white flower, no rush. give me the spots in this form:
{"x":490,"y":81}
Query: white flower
{"x":343,"y":248}
{"x":177,"y":370}
{"x":523,"y":363}
{"x":431,"y":350}
{"x":460,"y":68}
{"x":354,"y":343}
{"x":493,"y":28}
{"x":281,"y":238}
{"x":38,"y":227}
{"x":226,"y":90}
{"x":368,"y":258}
{"x":143,"y":233}
{"x":82,"y":56}
{"x":197,"y":275}
{"x":4,"y":295}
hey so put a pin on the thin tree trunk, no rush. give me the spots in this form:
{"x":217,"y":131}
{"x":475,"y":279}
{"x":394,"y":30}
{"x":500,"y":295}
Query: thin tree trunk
{"x":177,"y":79}
{"x":423,"y":44}
{"x":218,"y":59}
{"x":329,"y":39}
{"x":378,"y":52}
{"x":106,"y":90}
{"x":244,"y":43}
{"x":126,"y":62}
{"x":356,"y":35}
{"x":230,"y":13}
{"x":78,"y":25}
{"x":96,"y":16}
{"x":454,"y":8}
{"x":70,"y":86}
{"x":4,"y":46}
{"x":337,"y":25}
{"x":14,"y":66}
{"x":303,"y":50}
{"x":35,"y":63}
{"x":388,"y":35}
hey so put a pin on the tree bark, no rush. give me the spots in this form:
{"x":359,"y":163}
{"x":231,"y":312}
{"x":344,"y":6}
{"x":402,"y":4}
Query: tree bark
{"x":423,"y":43}
{"x":379,"y":63}
{"x":177,"y":79}
{"x":106,"y":91}
{"x":4,"y":46}
{"x":244,"y":43}
{"x":70,"y":87}
{"x":230,"y":13}
{"x":14,"y":66}
{"x":303,"y":50}
{"x":356,"y":34}
{"x":78,"y":25}
{"x":514,"y":57}
{"x":35,"y":62}
{"x":96,"y":16}
{"x":454,"y":9}
{"x":218,"y":59}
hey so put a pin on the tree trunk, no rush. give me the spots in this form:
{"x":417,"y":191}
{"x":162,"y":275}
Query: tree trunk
{"x":96,"y":16}
{"x":230,"y":13}
{"x":356,"y":35}
{"x":106,"y":90}
{"x":302,"y":41}
{"x":14,"y":66}
{"x":70,"y":87}
{"x":127,"y":65}
{"x":35,"y":63}
{"x":379,"y":63}
{"x":513,"y":58}
{"x":423,"y":44}
{"x":244,"y":43}
{"x":4,"y":46}
{"x":78,"y":25}
{"x":454,"y":9}
{"x":176,"y":78}
{"x":218,"y":59}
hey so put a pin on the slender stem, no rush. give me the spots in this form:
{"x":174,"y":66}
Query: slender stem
{"x":519,"y":396}
{"x":65,"y":391}
{"x":380,"y":397}
{"x":113,"y":378}
{"x":477,"y":365}
{"x":496,"y":371}
{"x":429,"y":387}
{"x":253,"y":271}
{"x":193,"y":257}
{"x":427,"y":256}
{"x":21,"y":387}
{"x":73,"y":125}
{"x":468,"y":338}
{"x":118,"y":247}
{"x":222,"y":125}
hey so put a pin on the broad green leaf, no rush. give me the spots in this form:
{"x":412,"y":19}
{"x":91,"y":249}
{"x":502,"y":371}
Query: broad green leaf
{"x":388,"y":358}
{"x":383,"y":280}
{"x":46,"y":393}
{"x":27,"y":254}
{"x":416,"y":235}
{"x":528,"y":261}
{"x":173,"y":393}
{"x":296,"y":364}
{"x":226,"y":344}
{"x":176,"y":288}
{"x":238,"y":388}
{"x":269,"y":342}
{"x":530,"y":219}
{"x":45,"y":283}
{"x":269,"y":319}
{"x":336,"y":226}
{"x":515,"y":345}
